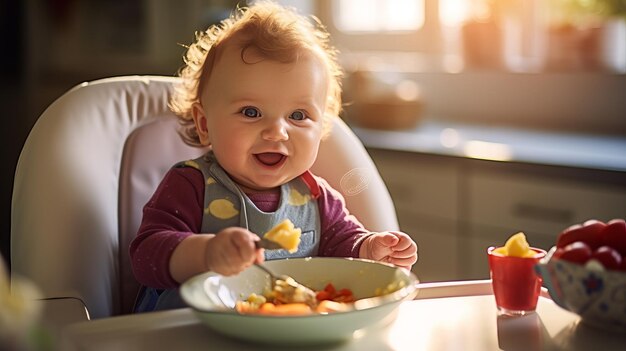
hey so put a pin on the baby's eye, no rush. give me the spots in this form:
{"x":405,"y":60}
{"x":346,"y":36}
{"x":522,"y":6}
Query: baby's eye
{"x":298,"y":115}
{"x":251,"y":112}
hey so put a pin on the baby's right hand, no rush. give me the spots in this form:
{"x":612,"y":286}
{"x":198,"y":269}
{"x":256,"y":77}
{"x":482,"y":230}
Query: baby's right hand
{"x":232,"y":250}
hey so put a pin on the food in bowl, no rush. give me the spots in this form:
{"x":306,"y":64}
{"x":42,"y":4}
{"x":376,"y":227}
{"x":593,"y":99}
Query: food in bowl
{"x":328,"y":300}
{"x":273,"y":302}
{"x":579,"y":280}
{"x":213,"y":298}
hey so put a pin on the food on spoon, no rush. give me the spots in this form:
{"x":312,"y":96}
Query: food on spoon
{"x":516,"y":246}
{"x":286,"y":235}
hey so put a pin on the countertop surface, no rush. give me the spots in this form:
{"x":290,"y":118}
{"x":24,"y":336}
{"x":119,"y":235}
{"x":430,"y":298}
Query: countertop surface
{"x":503,"y":144}
{"x":446,"y":316}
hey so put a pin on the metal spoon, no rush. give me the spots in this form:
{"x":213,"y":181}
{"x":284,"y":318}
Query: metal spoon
{"x":267,"y":244}
{"x":287,"y":289}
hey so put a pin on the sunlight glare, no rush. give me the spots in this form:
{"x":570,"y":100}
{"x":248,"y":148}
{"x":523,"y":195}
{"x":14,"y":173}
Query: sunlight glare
{"x":449,"y":137}
{"x":379,"y":15}
{"x":487,"y":151}
{"x":453,"y":12}
{"x":404,"y":14}
{"x":356,"y":18}
{"x":407,"y":90}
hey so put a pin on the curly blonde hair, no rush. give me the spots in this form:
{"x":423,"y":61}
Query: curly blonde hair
{"x":277,"y":33}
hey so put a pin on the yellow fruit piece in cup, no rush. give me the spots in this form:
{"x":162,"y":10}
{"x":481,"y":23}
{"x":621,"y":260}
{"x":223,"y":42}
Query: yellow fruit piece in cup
{"x":517,"y":246}
{"x":501,"y":251}
{"x":285,"y":235}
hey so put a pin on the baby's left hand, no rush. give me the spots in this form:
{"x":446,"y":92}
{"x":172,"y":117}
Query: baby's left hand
{"x":392,"y":247}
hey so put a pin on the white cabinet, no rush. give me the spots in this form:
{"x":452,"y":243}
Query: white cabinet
{"x":501,"y":203}
{"x":455,"y":208}
{"x":419,"y":184}
{"x":438,"y":246}
{"x":424,"y":192}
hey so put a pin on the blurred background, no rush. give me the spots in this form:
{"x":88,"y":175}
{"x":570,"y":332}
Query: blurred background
{"x":553,"y":66}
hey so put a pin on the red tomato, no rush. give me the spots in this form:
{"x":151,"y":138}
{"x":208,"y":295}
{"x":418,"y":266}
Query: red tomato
{"x":344,"y":295}
{"x":558,"y":252}
{"x":577,"y":252}
{"x":588,"y":232}
{"x":323,"y":295}
{"x":614,"y":235}
{"x":330,"y":288}
{"x":622,"y":266}
{"x":332,"y":294}
{"x":344,"y":292}
{"x":609,"y":257}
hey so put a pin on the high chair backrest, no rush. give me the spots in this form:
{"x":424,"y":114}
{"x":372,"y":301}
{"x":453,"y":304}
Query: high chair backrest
{"x":92,"y":161}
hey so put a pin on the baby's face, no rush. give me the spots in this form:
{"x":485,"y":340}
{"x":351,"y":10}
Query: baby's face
{"x":263,"y":120}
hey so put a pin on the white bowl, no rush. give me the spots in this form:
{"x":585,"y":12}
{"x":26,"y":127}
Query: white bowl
{"x":213,"y":299}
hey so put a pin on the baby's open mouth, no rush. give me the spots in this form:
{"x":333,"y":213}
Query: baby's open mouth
{"x":270,"y":158}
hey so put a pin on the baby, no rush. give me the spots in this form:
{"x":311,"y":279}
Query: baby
{"x":260,"y":90}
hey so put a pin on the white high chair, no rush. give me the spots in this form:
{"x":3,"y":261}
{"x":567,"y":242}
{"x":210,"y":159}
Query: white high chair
{"x":91,"y":162}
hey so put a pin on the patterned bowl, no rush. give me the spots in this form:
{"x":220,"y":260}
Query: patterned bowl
{"x":597,"y":296}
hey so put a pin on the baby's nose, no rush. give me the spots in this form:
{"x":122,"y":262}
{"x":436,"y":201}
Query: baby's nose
{"x":275,"y":130}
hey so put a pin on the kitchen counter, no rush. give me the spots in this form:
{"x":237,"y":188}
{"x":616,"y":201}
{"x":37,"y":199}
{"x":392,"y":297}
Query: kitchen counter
{"x":445,"y":316}
{"x":503,"y":144}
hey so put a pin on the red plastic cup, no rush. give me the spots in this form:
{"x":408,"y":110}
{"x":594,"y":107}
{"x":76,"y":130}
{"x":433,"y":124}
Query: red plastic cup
{"x":516,"y":285}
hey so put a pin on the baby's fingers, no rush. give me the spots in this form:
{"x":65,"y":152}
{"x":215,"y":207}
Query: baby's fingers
{"x":408,"y":252}
{"x":404,"y":241}
{"x":405,"y":257}
{"x":243,"y":246}
{"x":402,"y":262}
{"x":232,"y":251}
{"x":260,"y":256}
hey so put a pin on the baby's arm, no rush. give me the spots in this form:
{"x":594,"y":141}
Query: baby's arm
{"x":343,"y":235}
{"x":167,"y":249}
{"x":228,"y":253}
{"x":392,"y":247}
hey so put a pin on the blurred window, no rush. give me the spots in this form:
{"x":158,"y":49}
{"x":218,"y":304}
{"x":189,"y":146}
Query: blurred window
{"x":378,"y":15}
{"x":453,"y":12}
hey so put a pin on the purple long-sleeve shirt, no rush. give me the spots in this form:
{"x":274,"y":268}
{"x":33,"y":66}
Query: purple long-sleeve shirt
{"x":175,"y":212}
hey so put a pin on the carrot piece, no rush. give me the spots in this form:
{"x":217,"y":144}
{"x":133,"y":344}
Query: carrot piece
{"x":288,"y":309}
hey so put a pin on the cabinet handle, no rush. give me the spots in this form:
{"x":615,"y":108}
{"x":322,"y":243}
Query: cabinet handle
{"x":543,"y":213}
